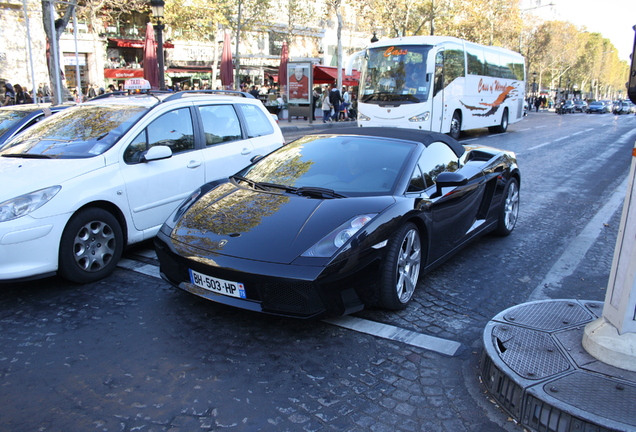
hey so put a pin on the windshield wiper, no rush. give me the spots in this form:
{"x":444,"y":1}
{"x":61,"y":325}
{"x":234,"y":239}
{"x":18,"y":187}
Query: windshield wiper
{"x":318,"y":192}
{"x":28,"y":156}
{"x":386,"y":97}
{"x":311,"y":191}
{"x":252,"y":183}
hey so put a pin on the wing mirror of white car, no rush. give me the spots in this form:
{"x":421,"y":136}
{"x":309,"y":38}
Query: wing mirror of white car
{"x":157,"y":152}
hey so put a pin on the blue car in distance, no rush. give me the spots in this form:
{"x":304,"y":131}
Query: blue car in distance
{"x":16,"y":118}
{"x":597,"y":107}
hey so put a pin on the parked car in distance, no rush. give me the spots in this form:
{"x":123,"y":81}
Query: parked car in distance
{"x":16,"y":118}
{"x":337,"y":221}
{"x":625,"y":107}
{"x":568,"y":107}
{"x":105,"y":174}
{"x":597,"y":107}
{"x":580,"y":106}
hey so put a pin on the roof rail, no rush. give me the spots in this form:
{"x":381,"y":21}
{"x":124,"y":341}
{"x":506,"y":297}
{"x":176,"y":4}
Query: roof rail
{"x":180,"y":94}
{"x":110,"y":94}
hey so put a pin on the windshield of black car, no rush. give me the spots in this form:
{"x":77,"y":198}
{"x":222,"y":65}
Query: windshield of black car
{"x":78,"y":132}
{"x":9,"y":117}
{"x":347,"y":165}
{"x":396,"y":74}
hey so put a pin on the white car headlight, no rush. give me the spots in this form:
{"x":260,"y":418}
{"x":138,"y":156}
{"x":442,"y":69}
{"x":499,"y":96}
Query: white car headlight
{"x":330,"y":244}
{"x":27,"y":203}
{"x":421,"y":117}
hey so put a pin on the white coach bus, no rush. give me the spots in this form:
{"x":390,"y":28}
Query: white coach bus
{"x":441,"y":84}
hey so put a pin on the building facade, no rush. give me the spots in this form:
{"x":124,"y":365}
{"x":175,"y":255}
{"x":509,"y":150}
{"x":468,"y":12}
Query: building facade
{"x":96,"y":60}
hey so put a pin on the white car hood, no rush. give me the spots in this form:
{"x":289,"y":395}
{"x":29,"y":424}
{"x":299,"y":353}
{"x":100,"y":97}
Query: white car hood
{"x":19,"y":176}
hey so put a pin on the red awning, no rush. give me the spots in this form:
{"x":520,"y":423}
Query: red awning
{"x":329,"y":74}
{"x":134,"y":43}
{"x":123,"y":73}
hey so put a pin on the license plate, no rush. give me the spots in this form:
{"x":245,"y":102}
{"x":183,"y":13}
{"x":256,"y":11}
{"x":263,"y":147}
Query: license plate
{"x":220,"y":286}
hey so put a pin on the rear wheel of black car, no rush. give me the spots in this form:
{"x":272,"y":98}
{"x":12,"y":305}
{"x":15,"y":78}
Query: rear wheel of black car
{"x":401,"y":268}
{"x":509,"y":211}
{"x":91,"y":246}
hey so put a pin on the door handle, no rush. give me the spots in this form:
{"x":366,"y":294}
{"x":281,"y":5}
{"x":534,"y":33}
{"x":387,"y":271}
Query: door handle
{"x":194,"y":164}
{"x":246,"y":151}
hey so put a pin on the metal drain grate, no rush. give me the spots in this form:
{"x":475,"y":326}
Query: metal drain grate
{"x":549,"y":316}
{"x":529,"y":353}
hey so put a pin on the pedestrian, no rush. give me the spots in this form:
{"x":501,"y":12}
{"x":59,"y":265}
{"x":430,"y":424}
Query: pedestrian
{"x":315,"y":101}
{"x":537,"y":103}
{"x":281,"y":105}
{"x":344,"y":106}
{"x":9,"y":95}
{"x":326,"y":106}
{"x":254,"y":91}
{"x":335,"y":99}
{"x":22,"y":96}
{"x":91,"y":91}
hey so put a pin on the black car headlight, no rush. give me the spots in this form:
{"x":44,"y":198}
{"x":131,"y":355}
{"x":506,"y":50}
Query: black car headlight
{"x":337,"y":238}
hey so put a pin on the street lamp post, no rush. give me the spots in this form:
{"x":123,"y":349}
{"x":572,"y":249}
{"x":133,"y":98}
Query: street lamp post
{"x":157,"y":11}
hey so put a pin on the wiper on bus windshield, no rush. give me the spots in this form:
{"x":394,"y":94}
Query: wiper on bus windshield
{"x":390,"y":97}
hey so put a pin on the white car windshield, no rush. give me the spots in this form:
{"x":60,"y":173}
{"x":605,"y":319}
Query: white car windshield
{"x":78,"y":132}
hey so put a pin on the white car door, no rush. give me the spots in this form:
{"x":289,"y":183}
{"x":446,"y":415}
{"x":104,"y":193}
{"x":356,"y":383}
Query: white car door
{"x":226,"y":152}
{"x":155,"y":188}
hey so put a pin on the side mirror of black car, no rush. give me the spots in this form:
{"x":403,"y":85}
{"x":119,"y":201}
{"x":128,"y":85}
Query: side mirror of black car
{"x":449,"y":179}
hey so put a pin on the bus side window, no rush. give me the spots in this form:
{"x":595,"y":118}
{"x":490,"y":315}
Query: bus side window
{"x":439,"y":73}
{"x":453,"y":65}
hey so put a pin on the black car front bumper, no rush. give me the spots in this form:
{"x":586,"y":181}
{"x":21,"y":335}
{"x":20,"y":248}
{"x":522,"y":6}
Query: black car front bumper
{"x":300,"y":291}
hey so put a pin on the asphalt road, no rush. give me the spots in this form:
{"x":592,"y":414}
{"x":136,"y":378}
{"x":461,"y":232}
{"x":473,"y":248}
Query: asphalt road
{"x":131,"y":353}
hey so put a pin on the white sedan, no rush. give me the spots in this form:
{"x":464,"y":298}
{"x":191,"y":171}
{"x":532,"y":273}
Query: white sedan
{"x":83,"y":184}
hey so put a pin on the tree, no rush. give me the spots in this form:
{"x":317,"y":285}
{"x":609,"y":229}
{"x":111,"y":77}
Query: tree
{"x":53,"y":28}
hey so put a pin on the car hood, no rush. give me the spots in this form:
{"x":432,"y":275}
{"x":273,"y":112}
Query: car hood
{"x":272,"y":227}
{"x":28,"y":175}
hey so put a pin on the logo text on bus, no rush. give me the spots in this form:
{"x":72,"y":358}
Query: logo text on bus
{"x":495,"y":86}
{"x":392,"y":51}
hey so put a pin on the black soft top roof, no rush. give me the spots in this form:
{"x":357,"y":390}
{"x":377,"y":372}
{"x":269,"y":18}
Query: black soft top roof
{"x":424,"y":137}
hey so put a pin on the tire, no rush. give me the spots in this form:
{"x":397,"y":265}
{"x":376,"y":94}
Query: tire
{"x":401,"y":268}
{"x":503,"y":126}
{"x":456,"y":125}
{"x":91,"y":246}
{"x":509,"y":212}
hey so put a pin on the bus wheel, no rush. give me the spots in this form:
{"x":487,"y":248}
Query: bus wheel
{"x":456,"y":125}
{"x":504,"y":123}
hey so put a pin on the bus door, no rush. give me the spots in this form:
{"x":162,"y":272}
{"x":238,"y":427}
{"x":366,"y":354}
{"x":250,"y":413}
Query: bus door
{"x":437,"y":107}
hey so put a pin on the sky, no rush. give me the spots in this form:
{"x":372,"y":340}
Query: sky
{"x":614,"y":19}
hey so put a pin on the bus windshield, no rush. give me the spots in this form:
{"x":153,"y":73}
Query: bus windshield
{"x":396,"y":74}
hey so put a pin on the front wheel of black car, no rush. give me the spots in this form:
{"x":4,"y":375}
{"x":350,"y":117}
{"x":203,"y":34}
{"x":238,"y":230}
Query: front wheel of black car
{"x":91,"y":246}
{"x":401,"y":269}
{"x":509,"y":211}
